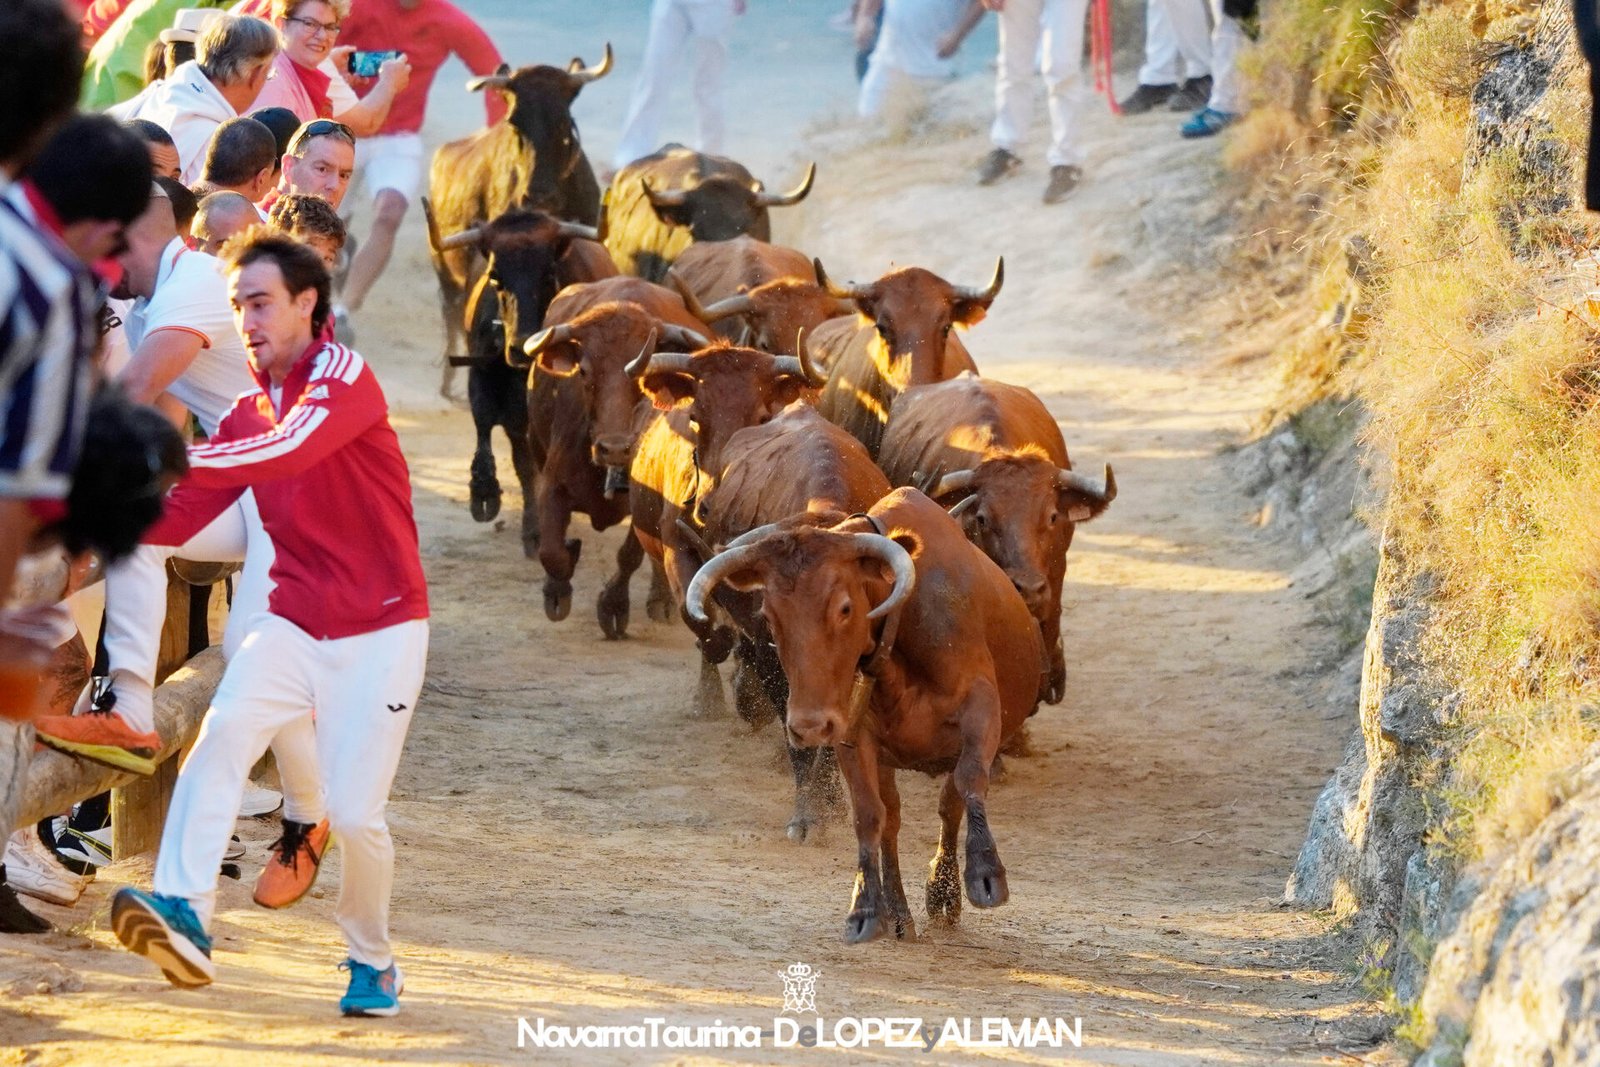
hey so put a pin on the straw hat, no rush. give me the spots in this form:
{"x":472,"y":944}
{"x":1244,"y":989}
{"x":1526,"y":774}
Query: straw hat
{"x":189,"y":24}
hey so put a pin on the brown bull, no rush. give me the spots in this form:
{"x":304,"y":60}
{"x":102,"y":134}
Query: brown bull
{"x":754,"y":293}
{"x":904,"y":337}
{"x":703,"y":399}
{"x":952,"y":669}
{"x":660,"y":205}
{"x":583,"y":401}
{"x":530,"y":159}
{"x":997,"y":454}
{"x":797,"y":463}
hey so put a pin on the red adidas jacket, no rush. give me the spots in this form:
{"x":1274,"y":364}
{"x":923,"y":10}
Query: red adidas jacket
{"x":333,"y":490}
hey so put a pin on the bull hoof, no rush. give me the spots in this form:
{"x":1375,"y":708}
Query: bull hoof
{"x":612,"y":610}
{"x":557,"y":600}
{"x":660,"y":610}
{"x":986,"y":880}
{"x":803,"y":827}
{"x":530,"y":542}
{"x":863,"y":925}
{"x":485,"y":508}
{"x":709,"y":702}
{"x":905,"y":928}
{"x":943,"y":893}
{"x":1055,"y":687}
{"x":750,"y":697}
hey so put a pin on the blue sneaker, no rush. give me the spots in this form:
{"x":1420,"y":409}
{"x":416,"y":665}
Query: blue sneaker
{"x":372,"y":992}
{"x":1208,"y":121}
{"x":165,"y":931}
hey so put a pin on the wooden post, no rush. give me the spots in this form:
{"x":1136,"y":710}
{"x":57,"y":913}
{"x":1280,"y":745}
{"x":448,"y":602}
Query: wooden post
{"x":139,"y":809}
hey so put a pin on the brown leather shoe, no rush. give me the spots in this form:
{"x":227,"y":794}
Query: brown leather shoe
{"x":292,"y":864}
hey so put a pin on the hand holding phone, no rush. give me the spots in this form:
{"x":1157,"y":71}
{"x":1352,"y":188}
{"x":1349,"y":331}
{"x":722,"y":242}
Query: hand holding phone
{"x":367,"y":64}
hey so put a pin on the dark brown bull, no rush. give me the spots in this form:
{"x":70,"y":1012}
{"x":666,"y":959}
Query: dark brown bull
{"x":952,"y":657}
{"x":530,"y":159}
{"x":659,"y":205}
{"x":703,"y":399}
{"x":754,"y":293}
{"x":996,"y":453}
{"x":904,"y":337}
{"x":583,"y":402}
{"x":529,"y":256}
{"x":797,"y":463}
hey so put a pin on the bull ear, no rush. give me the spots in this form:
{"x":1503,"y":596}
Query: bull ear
{"x":1079,"y":506}
{"x":559,"y":360}
{"x":787,"y":389}
{"x":746,"y":579}
{"x":968,"y":312}
{"x":668,"y":389}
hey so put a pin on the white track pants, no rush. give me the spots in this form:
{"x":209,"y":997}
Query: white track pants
{"x":674,"y":25}
{"x":1050,"y":31}
{"x":1175,"y":28}
{"x":364,"y":689}
{"x":136,"y":610}
{"x":1227,"y":41}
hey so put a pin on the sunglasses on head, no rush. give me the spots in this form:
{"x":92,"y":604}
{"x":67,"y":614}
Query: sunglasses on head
{"x":319,"y":128}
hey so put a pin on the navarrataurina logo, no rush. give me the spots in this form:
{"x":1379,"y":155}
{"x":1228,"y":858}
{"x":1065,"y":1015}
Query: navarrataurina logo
{"x":800,"y":988}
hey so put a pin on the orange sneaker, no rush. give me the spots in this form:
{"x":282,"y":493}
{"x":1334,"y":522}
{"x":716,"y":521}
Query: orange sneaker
{"x":101,"y":734}
{"x":292,"y":864}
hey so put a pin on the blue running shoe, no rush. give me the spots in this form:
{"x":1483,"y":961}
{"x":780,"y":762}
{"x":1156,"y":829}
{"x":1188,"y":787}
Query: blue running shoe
{"x":165,"y":931}
{"x":372,"y":992}
{"x":1206,"y":122}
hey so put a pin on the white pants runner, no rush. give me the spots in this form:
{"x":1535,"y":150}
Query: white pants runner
{"x":674,"y":26}
{"x":1050,"y":31}
{"x":1175,"y":28}
{"x":136,"y":610}
{"x":364,"y":689}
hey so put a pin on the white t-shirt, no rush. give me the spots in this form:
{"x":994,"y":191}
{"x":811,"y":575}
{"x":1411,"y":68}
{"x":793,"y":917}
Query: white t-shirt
{"x":912,"y":30}
{"x":192,"y":295}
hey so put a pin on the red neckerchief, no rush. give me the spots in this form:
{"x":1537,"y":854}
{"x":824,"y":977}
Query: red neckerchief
{"x":107,"y":270}
{"x":316,"y":85}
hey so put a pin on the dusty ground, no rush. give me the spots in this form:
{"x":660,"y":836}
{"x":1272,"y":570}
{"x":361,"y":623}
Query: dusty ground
{"x":571,"y":846}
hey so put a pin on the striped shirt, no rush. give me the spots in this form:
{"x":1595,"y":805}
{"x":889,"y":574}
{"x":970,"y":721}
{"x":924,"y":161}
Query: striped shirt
{"x":48,"y":300}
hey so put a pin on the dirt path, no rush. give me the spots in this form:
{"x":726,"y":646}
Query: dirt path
{"x":571,"y":847}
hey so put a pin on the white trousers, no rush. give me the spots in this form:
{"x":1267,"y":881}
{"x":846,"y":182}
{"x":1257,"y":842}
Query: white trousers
{"x":674,"y":26}
{"x":1052,"y":32}
{"x":1227,"y":41}
{"x":136,"y":610}
{"x":1174,"y":29}
{"x":364,"y":689}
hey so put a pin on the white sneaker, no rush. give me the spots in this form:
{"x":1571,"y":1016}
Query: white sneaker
{"x":259,"y":800}
{"x":31,"y":869}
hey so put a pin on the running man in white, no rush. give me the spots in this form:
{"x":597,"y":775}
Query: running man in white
{"x":345,"y":631}
{"x":676,"y":26}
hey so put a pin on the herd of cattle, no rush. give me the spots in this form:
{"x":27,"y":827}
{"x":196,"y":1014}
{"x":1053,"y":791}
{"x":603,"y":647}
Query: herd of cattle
{"x":785,"y":448}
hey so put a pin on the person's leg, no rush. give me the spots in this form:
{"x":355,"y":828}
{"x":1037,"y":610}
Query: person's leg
{"x":1063,"y":77}
{"x":367,"y":689}
{"x":1191,"y":34}
{"x":1227,"y":40}
{"x":641,"y":130}
{"x":388,"y":211}
{"x":1020,"y":27}
{"x":267,"y":686}
{"x":874,"y":87}
{"x":1160,"y":46}
{"x":711,"y":25}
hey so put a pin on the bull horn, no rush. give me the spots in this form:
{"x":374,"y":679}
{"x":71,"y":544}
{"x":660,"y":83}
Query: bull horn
{"x":899,"y":561}
{"x":659,"y":362}
{"x":793,"y":196}
{"x":722,"y":309}
{"x":987,"y":294}
{"x":838,"y":292}
{"x":683,"y":337}
{"x":553,"y":335}
{"x":954,"y":482}
{"x":750,"y":537}
{"x":464,"y":239}
{"x":715,"y":570}
{"x":433,"y":224}
{"x":500,"y":79}
{"x":1105,"y":492}
{"x":698,"y":543}
{"x":578,"y":229}
{"x":965,"y":506}
{"x":588,"y":74}
{"x":664,"y":197}
{"x":802,"y":366}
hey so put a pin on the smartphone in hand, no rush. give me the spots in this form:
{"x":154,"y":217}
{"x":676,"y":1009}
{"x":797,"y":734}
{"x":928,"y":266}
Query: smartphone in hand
{"x":366,"y":64}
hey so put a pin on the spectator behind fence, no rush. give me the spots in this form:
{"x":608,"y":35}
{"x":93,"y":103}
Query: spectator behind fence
{"x":312,"y":221}
{"x":115,"y":68}
{"x":230,"y":66}
{"x":308,"y":77}
{"x":163,"y":153}
{"x":242,"y":158}
{"x":221,"y":215}
{"x":320,"y":160}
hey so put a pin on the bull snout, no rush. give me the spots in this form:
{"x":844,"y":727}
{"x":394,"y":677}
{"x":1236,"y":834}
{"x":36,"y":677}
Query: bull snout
{"x":1035,"y":591}
{"x":612,"y":451}
{"x":814,"y":728}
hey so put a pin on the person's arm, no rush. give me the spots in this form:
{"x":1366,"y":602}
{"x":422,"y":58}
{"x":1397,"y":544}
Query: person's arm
{"x":951,"y":42}
{"x":867,"y":23}
{"x":98,"y":17}
{"x":161,"y":359}
{"x":366,"y":117}
{"x":327,"y":417}
{"x":482,"y":58}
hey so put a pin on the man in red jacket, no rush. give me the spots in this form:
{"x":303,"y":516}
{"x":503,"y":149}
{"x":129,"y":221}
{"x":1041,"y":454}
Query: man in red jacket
{"x":427,"y":31}
{"x":345,"y":630}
